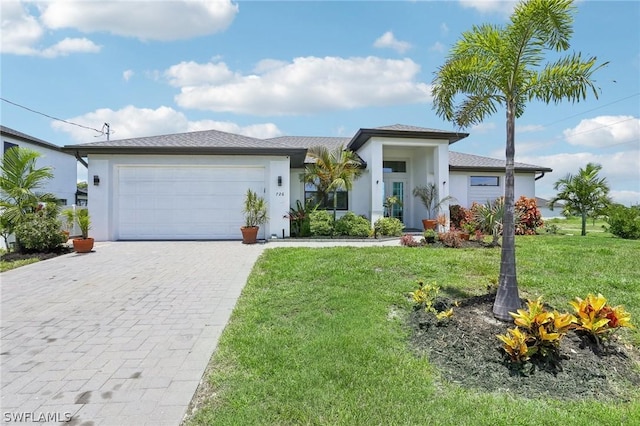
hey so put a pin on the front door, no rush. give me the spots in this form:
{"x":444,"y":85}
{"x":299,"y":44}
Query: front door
{"x":395,"y":188}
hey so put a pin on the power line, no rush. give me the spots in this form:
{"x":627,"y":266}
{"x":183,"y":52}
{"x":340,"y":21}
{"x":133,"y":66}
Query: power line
{"x":592,"y":109}
{"x":54,"y":118}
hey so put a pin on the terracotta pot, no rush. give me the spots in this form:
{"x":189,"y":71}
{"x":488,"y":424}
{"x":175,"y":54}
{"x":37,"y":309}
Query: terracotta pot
{"x":429,"y":224}
{"x":249,"y":234}
{"x":82,"y":245}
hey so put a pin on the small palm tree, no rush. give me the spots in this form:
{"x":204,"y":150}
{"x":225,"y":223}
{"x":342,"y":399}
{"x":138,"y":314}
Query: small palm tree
{"x":19,"y":183}
{"x":332,"y":171}
{"x":583,"y":194}
{"x":502,"y":66}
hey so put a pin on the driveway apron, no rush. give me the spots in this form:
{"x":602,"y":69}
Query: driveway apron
{"x":119,"y":336}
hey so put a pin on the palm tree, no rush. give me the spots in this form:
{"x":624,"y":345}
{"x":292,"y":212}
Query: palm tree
{"x":502,"y":66}
{"x":584,"y":193}
{"x":19,"y":182}
{"x":332,"y":171}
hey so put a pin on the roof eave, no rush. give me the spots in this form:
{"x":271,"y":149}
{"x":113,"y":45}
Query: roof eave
{"x":498,"y":169}
{"x":364,"y":135}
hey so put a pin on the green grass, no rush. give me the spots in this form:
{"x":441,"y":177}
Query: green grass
{"x":7,"y":266}
{"x":318,"y":335}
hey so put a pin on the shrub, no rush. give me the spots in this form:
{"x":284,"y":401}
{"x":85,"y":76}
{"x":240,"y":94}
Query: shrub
{"x":597,"y":318}
{"x":458,"y":215}
{"x":39,"y":233}
{"x":425,"y":297}
{"x":430,"y":235}
{"x":321,"y":223}
{"x":407,"y":240}
{"x":537,"y":333}
{"x":353,"y":225}
{"x":529,"y":214}
{"x":450,"y":238}
{"x":624,"y":222}
{"x":300,"y":222}
{"x":388,"y":226}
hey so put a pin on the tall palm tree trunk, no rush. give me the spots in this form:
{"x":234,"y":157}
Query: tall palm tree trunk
{"x":507,"y":298}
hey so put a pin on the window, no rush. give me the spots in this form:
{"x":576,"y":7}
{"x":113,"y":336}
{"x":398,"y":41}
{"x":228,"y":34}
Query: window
{"x":311,"y":194}
{"x":8,"y":146}
{"x":394,"y":167}
{"x":485,"y":181}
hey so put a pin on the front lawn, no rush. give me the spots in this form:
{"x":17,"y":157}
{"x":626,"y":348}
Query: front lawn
{"x":320,"y":336}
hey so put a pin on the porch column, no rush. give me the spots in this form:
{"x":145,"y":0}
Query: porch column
{"x":375,"y":168}
{"x":441,"y":174}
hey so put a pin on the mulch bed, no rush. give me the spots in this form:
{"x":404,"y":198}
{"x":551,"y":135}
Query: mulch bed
{"x":466,"y":351}
{"x":13,"y":256}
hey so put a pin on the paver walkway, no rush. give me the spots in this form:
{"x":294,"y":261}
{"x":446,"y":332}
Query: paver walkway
{"x":120,"y":336}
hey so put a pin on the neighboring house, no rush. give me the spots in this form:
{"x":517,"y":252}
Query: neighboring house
{"x":192,"y":185}
{"x":63,"y":184}
{"x":545,"y":210}
{"x":81,"y":197}
{"x":478,"y":179}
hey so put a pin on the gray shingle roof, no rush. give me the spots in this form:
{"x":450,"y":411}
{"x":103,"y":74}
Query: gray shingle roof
{"x":19,"y":135}
{"x":406,"y":128}
{"x":203,"y":138}
{"x":458,"y":160}
{"x":309,"y":141}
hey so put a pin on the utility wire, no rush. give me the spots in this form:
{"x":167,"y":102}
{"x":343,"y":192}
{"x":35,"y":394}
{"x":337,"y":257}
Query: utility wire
{"x":53,"y":118}
{"x":592,"y":109}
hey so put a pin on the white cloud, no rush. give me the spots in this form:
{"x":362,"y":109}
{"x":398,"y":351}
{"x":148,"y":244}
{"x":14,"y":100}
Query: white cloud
{"x":194,"y":74}
{"x":620,"y":169}
{"x":305,"y":85}
{"x":147,"y":20}
{"x":131,"y":122}
{"x":260,"y":131}
{"x":529,"y":128}
{"x":444,"y":29}
{"x":70,"y":45}
{"x":437,"y":47}
{"x":482,"y":128}
{"x":504,"y":7}
{"x":628,"y":198}
{"x":388,"y":40}
{"x":21,"y":33}
{"x":127,"y":74}
{"x":604,"y":131}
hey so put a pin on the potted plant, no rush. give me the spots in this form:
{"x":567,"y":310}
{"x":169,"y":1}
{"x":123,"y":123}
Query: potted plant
{"x":428,"y":195}
{"x":255,"y":214}
{"x":69,"y":219}
{"x":467,"y":229}
{"x":83,"y":244}
{"x":430,"y":236}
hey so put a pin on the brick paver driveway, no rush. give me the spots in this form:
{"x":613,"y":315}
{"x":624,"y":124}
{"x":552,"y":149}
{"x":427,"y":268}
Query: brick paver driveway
{"x":120,"y":336}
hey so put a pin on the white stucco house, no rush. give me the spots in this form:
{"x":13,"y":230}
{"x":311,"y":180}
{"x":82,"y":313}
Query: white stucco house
{"x":64,"y":182}
{"x":192,"y":185}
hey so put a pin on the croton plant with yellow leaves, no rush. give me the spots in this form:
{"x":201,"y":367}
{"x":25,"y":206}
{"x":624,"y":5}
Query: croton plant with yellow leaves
{"x":539,"y":332}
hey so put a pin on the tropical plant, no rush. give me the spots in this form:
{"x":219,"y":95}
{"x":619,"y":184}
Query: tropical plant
{"x":430,"y":235}
{"x":353,"y":225}
{"x":597,"y":318}
{"x":495,"y":66}
{"x":388,"y":226}
{"x":529,"y":216}
{"x":299,"y":218}
{"x":39,"y":232}
{"x":388,"y":204}
{"x":407,"y":240}
{"x":428,"y":195}
{"x":332,"y":171}
{"x":321,"y":223}
{"x":254,"y":209}
{"x":19,"y":184}
{"x":489,"y":218}
{"x":84,"y":222}
{"x":450,"y":238}
{"x":457,"y":215}
{"x":583,"y":193}
{"x":624,"y":222}
{"x":69,"y":219}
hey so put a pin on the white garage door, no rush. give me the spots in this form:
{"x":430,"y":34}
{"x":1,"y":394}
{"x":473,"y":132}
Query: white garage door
{"x":183,"y":202}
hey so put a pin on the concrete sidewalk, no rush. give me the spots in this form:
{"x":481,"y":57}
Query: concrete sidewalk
{"x":120,"y":336}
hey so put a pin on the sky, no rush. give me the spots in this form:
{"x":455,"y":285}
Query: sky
{"x":304,"y":68}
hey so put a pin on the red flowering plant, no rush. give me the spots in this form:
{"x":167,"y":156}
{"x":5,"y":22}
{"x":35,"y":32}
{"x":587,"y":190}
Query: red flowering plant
{"x":530,"y":216}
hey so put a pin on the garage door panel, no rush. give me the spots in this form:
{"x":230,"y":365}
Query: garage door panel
{"x":183,"y":202}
